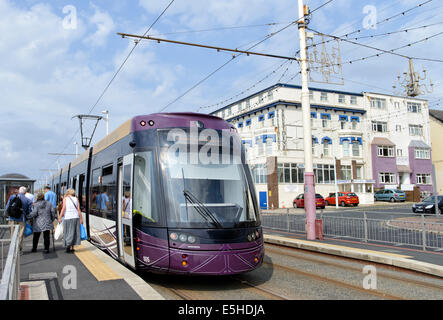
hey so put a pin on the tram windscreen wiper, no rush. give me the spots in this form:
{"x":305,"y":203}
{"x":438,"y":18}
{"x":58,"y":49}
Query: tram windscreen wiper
{"x":201,"y":208}
{"x":198,"y":206}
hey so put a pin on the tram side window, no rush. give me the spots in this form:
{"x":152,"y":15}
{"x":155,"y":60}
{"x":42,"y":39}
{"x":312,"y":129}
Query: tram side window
{"x":82,"y":192}
{"x":95,"y":191}
{"x":107,"y":194}
{"x":145,"y":204}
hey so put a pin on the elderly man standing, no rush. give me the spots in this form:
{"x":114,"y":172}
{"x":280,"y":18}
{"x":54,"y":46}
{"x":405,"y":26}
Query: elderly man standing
{"x":17,"y":208}
{"x":50,"y":196}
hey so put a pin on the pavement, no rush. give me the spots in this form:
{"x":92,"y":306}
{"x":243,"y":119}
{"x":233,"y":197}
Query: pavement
{"x":91,"y":274}
{"x":87,"y":274}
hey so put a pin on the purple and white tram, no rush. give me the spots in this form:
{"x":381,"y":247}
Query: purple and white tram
{"x":170,"y":192}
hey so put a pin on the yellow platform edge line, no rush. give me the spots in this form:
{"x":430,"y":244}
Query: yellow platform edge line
{"x":328,"y":245}
{"x":98,"y":268}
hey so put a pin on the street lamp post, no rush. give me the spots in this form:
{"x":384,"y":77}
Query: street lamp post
{"x":106,"y":113}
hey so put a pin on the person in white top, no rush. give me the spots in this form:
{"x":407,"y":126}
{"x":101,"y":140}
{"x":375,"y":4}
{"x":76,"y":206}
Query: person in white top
{"x":71,"y":222}
{"x":29,"y":195}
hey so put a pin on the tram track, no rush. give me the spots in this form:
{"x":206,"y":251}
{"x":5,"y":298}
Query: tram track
{"x":280,"y":250}
{"x":335,"y":282}
{"x":265,"y":292}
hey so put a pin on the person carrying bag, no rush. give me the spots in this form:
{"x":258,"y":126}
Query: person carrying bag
{"x":72,"y":218}
{"x":43,"y":214}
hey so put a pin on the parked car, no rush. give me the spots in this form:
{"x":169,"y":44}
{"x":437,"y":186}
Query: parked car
{"x":392,"y":195}
{"x":299,"y":201}
{"x":344,"y":199}
{"x":428,"y":205}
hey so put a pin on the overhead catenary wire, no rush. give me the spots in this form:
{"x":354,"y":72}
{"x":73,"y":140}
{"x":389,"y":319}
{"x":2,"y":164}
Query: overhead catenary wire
{"x":227,"y":62}
{"x":115,"y":74}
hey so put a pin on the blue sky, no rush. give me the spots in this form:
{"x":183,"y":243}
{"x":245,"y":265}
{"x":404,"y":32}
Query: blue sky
{"x":50,"y":73}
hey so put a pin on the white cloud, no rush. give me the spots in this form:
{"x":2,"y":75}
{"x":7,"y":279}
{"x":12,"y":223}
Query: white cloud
{"x":104,"y":25}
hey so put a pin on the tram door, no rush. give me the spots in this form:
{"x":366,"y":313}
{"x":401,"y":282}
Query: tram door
{"x":126,"y":243}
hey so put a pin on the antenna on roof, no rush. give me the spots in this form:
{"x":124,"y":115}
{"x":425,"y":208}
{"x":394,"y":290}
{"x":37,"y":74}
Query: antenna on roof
{"x":86,"y":141}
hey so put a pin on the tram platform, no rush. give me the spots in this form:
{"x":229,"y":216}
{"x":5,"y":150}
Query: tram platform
{"x":429,"y":262}
{"x":86,"y":274}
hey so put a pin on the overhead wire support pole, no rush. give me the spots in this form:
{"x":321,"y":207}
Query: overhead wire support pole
{"x":126,"y":35}
{"x":309,"y":191}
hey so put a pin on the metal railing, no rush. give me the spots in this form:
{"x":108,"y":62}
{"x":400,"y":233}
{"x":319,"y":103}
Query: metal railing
{"x":2,"y":216}
{"x":10,"y":276}
{"x":401,"y":232}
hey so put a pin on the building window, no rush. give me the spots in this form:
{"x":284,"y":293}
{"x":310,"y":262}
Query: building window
{"x":423,"y":178}
{"x":399,"y":153}
{"x":260,"y":173}
{"x":346,"y":148}
{"x":378,"y":126}
{"x":229,"y":111}
{"x":326,"y":148}
{"x":378,"y":103}
{"x":291,"y":173}
{"x":397,"y":105}
{"x":346,"y":172}
{"x":414,"y":107}
{"x":342,"y":124}
{"x":223,"y":114}
{"x":415,"y":130}
{"x":386,"y":177}
{"x":269,"y":145}
{"x":359,"y":172}
{"x":248,"y":103}
{"x":355,"y":149}
{"x":324,"y":173}
{"x":353,"y":100}
{"x":270,"y":95}
{"x":324,"y":97}
{"x":260,"y":98}
{"x":311,"y":95}
{"x":341,"y":98}
{"x":240,"y":106}
{"x":248,"y":122}
{"x":325,"y":117}
{"x":354,"y":124}
{"x":421,"y":153}
{"x":385,"y":151}
{"x":398,"y":127}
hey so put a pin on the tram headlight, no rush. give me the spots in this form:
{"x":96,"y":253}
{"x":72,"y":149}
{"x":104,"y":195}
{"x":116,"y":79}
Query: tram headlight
{"x":257,"y":234}
{"x":173,"y":236}
{"x":191,"y":239}
{"x":249,"y":237}
{"x":183,"y":238}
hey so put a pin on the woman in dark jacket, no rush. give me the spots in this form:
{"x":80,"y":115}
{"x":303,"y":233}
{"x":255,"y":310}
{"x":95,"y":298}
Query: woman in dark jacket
{"x":44,"y":214}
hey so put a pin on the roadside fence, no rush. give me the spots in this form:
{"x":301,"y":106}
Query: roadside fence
{"x":410,"y":231}
{"x":10,"y":263}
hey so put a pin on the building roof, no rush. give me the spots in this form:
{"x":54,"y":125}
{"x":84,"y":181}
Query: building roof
{"x":437,"y":114}
{"x":419,"y":144}
{"x":382,"y":141}
{"x":15,"y":177}
{"x":286,"y":85}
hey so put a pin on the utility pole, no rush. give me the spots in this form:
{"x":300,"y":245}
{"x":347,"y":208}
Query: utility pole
{"x":106,"y":112}
{"x":307,"y":131}
{"x":336,"y":183}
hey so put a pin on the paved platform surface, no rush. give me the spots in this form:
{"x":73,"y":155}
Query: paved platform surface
{"x":413,"y":259}
{"x":87,"y":274}
{"x":90,"y":274}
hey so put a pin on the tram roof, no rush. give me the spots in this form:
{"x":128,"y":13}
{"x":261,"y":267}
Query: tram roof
{"x":158,"y":121}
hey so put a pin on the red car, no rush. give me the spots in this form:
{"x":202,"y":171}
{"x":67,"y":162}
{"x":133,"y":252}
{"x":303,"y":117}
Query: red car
{"x":299,"y":202}
{"x":344,"y":199}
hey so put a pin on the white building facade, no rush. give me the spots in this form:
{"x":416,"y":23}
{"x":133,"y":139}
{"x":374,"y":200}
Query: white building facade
{"x":271,"y":127}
